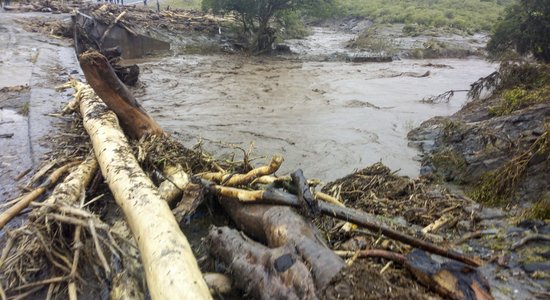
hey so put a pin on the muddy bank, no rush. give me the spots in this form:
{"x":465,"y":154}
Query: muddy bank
{"x":343,"y":115}
{"x":353,"y":37}
{"x":27,"y":95}
{"x":496,"y":146}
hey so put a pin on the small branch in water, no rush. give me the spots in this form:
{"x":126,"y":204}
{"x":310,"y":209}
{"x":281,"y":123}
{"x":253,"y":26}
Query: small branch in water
{"x":441,"y":98}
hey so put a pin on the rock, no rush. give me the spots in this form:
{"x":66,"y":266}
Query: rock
{"x":464,"y":225}
{"x":471,"y":143}
{"x":282,"y":48}
{"x":488,"y":213}
{"x":537,"y":266}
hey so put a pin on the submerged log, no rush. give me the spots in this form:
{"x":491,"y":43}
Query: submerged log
{"x":102,"y":78}
{"x":170,"y":267}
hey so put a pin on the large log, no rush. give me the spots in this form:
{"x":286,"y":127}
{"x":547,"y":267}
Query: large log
{"x":361,"y":218}
{"x":170,"y":267}
{"x":102,"y":78}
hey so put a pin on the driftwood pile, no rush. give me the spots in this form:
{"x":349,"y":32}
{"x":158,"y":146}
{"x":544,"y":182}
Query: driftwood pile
{"x":174,"y":20}
{"x":273,"y":250}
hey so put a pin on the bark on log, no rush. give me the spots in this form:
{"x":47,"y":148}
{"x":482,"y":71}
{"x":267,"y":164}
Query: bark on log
{"x":280,"y":226}
{"x":102,"y":78}
{"x":170,"y":267}
{"x":453,"y":280}
{"x":360,"y":218}
{"x":258,"y":268}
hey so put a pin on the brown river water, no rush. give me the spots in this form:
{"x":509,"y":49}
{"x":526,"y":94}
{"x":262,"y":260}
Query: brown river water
{"x":328,"y":118}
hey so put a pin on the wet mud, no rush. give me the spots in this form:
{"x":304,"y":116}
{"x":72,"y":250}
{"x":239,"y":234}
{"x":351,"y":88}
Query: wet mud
{"x":31,"y":66}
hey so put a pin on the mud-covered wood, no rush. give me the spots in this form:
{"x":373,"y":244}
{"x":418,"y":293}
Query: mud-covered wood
{"x":280,"y":226}
{"x":451,"y":279}
{"x":170,"y":267}
{"x":261,"y":272}
{"x":364,"y":219}
{"x":102,"y":78}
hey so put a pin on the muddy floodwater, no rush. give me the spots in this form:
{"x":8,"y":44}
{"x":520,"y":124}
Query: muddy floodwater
{"x":328,"y":118}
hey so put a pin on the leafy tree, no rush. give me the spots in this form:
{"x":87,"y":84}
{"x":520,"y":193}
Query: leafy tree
{"x":255,"y":16}
{"x":525,"y":28}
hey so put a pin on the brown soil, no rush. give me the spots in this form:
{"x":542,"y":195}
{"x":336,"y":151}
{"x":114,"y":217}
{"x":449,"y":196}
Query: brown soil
{"x":363,"y":281}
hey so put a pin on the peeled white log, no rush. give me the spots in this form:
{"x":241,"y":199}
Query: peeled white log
{"x":170,"y":267}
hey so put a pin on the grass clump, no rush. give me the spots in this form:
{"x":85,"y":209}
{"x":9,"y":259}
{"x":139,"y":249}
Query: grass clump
{"x":499,"y":187}
{"x":520,"y":86}
{"x":466,"y":16}
{"x":540,"y":209}
{"x":180,"y":4}
{"x":449,"y":163}
{"x":25,"y":108}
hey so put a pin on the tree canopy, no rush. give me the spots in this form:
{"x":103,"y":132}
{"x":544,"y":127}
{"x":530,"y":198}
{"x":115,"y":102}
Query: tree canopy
{"x":525,"y":28}
{"x":255,"y":15}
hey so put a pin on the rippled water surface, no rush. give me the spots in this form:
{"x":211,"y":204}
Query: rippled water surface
{"x":328,"y":118}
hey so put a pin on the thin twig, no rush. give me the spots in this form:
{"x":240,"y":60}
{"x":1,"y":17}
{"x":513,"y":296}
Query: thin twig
{"x":72,"y":281}
{"x":530,"y":238}
{"x":98,"y":248}
{"x":41,"y":282}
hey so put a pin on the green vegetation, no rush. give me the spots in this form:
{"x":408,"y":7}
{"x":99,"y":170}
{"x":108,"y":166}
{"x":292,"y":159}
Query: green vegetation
{"x":182,"y":4}
{"x":521,"y":85}
{"x":466,"y":15}
{"x":540,"y":209}
{"x":25,"y":108}
{"x":524,"y":29}
{"x":256,"y":16}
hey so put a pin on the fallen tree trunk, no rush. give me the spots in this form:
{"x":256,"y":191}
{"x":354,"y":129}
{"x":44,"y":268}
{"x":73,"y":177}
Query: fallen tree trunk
{"x":263,"y":273}
{"x":102,"y":78}
{"x":170,"y":267}
{"x":280,"y":226}
{"x":272,"y":196}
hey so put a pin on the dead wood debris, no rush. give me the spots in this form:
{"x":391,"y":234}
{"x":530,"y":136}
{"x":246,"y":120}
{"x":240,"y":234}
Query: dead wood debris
{"x":55,"y":234}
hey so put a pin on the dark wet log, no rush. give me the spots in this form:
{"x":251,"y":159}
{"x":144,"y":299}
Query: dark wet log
{"x":272,"y":196}
{"x":263,"y":273}
{"x":102,"y":78}
{"x":307,"y":201}
{"x":451,"y":279}
{"x":127,"y":74}
{"x":280,"y":226}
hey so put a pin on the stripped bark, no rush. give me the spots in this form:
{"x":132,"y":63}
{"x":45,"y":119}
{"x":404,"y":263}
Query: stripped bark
{"x":243,"y":179}
{"x":26,"y":200}
{"x":170,"y":267}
